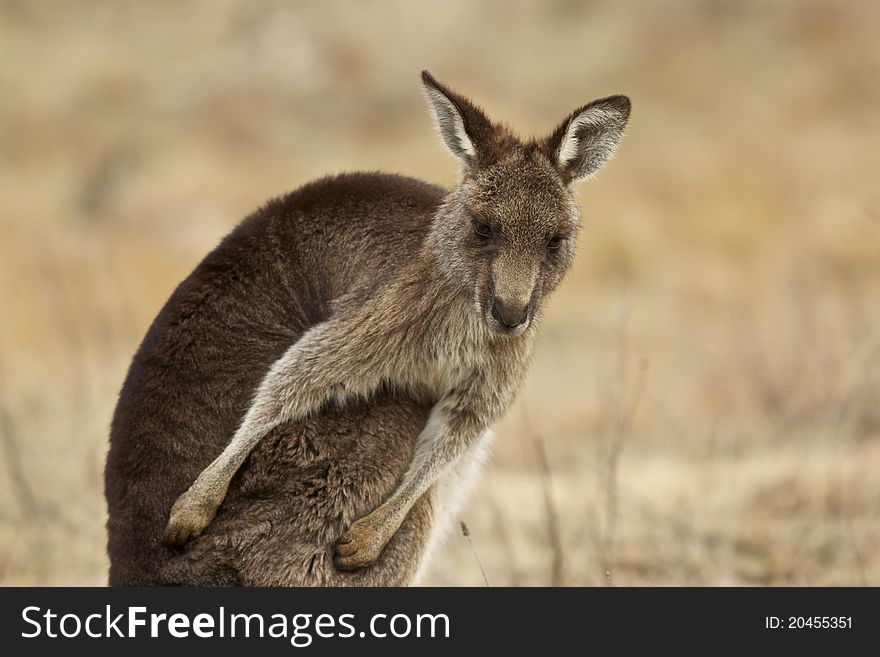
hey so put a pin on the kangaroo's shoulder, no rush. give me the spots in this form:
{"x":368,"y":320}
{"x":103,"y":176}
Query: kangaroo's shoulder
{"x":330,"y":229}
{"x":361,"y":192}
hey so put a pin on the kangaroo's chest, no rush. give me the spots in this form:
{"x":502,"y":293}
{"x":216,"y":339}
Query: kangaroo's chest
{"x":447,"y":368}
{"x":457,"y":361}
{"x":457,"y":351}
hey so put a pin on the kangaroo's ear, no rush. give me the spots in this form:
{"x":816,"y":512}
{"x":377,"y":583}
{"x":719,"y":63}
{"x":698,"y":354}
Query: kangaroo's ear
{"x":588,"y":137}
{"x":466,"y":131}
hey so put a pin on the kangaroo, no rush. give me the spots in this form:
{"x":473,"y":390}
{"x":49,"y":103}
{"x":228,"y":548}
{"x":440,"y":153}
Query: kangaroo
{"x":393,"y":294}
{"x":454,"y":324}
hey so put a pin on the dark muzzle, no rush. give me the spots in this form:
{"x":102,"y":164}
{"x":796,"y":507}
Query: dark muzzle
{"x":509,"y":315}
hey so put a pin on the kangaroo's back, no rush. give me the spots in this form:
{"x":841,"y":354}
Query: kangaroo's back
{"x":194,"y":375}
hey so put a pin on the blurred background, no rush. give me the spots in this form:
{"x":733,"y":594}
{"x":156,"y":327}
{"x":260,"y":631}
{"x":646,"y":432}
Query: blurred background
{"x":704,"y":407}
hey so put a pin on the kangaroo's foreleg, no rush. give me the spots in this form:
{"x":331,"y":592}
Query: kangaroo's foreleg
{"x":298,"y":383}
{"x":451,"y":432}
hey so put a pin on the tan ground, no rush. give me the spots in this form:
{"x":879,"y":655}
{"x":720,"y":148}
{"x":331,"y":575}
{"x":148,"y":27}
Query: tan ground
{"x":705,"y":404}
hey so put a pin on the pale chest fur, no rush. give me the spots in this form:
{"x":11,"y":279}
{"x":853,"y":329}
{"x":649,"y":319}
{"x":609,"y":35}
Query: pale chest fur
{"x":442,"y":344}
{"x":461,"y":354}
{"x":455,"y":354}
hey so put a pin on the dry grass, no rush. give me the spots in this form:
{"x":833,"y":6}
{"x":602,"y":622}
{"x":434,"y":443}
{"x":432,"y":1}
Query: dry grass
{"x":703,"y":408}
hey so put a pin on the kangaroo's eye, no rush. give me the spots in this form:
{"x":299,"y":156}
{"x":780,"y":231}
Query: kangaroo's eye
{"x":482,"y":230}
{"x":554,"y":243}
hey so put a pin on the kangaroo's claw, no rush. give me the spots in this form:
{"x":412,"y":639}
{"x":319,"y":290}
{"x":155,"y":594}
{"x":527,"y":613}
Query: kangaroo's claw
{"x":360,"y":546}
{"x":189,"y":517}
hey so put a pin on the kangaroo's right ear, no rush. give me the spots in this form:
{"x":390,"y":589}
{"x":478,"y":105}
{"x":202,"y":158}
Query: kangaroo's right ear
{"x":588,"y":137}
{"x":467,"y":132}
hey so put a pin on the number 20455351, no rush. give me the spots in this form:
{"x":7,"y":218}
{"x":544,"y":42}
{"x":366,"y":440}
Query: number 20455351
{"x":808,"y":622}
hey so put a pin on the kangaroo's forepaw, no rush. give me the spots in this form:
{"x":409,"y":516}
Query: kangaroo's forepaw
{"x":360,"y":546}
{"x":189,"y":517}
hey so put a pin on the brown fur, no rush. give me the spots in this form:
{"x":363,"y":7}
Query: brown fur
{"x":194,"y":375}
{"x":370,"y":300}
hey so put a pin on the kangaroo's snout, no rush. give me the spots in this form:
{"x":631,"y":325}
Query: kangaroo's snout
{"x":510,"y":290}
{"x":510,"y":314}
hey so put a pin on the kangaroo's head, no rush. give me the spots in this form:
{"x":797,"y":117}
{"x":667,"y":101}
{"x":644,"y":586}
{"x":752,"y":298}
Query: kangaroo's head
{"x":506,"y":234}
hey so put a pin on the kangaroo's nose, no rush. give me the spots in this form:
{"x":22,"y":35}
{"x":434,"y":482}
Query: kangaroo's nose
{"x":510,"y":315}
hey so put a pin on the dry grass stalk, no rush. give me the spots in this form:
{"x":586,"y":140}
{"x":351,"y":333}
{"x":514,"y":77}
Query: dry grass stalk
{"x":626,"y":400}
{"x":467,"y":534}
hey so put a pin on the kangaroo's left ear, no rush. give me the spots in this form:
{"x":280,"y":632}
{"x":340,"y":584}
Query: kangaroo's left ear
{"x":466,"y":130}
{"x":588,"y":137}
